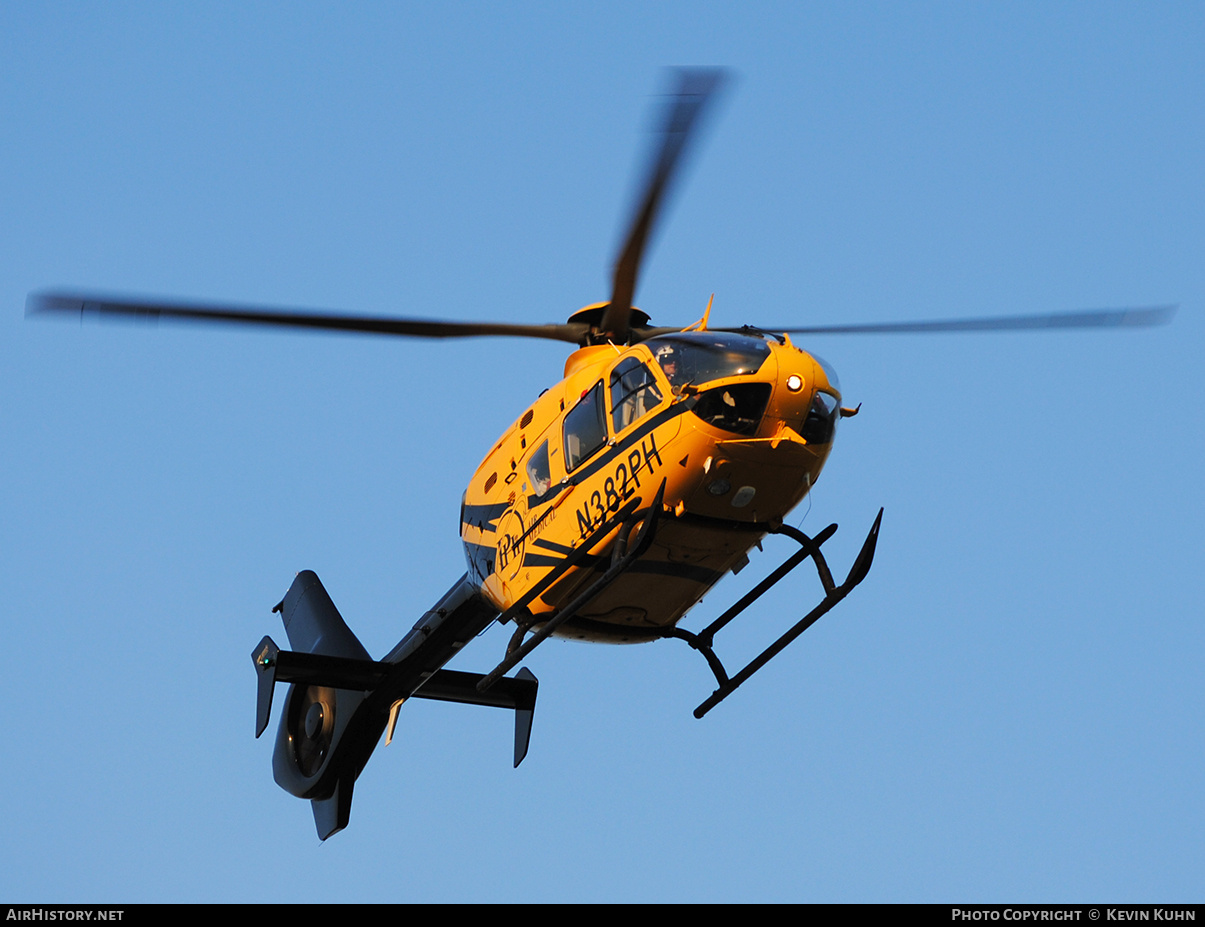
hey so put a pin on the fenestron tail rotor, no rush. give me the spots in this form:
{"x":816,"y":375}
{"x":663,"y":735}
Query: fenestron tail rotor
{"x":311,"y":725}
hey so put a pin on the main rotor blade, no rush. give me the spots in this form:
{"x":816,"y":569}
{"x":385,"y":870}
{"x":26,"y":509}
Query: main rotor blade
{"x":1139,"y":316}
{"x":696,"y":86}
{"x":79,"y":303}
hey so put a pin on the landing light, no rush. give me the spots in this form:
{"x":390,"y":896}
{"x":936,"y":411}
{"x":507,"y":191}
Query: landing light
{"x":743,"y":497}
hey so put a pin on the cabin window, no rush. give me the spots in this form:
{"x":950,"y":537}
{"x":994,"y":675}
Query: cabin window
{"x":633,"y":393}
{"x":585,"y":428}
{"x":538,"y":470}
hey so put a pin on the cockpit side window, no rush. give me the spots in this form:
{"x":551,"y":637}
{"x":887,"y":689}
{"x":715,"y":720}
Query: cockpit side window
{"x":633,"y":393}
{"x":585,"y":428}
{"x":821,"y":420}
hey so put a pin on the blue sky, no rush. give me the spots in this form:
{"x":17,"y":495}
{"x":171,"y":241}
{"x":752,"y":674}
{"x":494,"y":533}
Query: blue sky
{"x":1009,"y":708}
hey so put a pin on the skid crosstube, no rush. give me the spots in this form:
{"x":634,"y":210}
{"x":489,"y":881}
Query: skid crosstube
{"x":622,"y":557}
{"x":808,"y":547}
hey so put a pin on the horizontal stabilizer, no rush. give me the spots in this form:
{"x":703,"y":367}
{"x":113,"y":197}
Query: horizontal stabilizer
{"x":340,"y":700}
{"x":517,"y":692}
{"x":273,"y":665}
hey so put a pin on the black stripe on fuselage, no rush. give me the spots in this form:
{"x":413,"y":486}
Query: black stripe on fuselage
{"x":552,"y":545}
{"x":478,"y":516}
{"x":541,"y":560}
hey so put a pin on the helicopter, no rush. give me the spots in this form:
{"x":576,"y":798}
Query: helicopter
{"x":605,"y":512}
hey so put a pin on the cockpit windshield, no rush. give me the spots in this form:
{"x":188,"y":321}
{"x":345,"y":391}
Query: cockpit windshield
{"x":698,"y":357}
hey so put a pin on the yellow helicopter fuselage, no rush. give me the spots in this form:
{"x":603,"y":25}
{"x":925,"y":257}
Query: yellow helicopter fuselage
{"x":737,"y":427}
{"x":605,"y":512}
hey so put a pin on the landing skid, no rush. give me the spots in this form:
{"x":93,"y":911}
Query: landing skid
{"x":623,"y":556}
{"x":808,"y":547}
